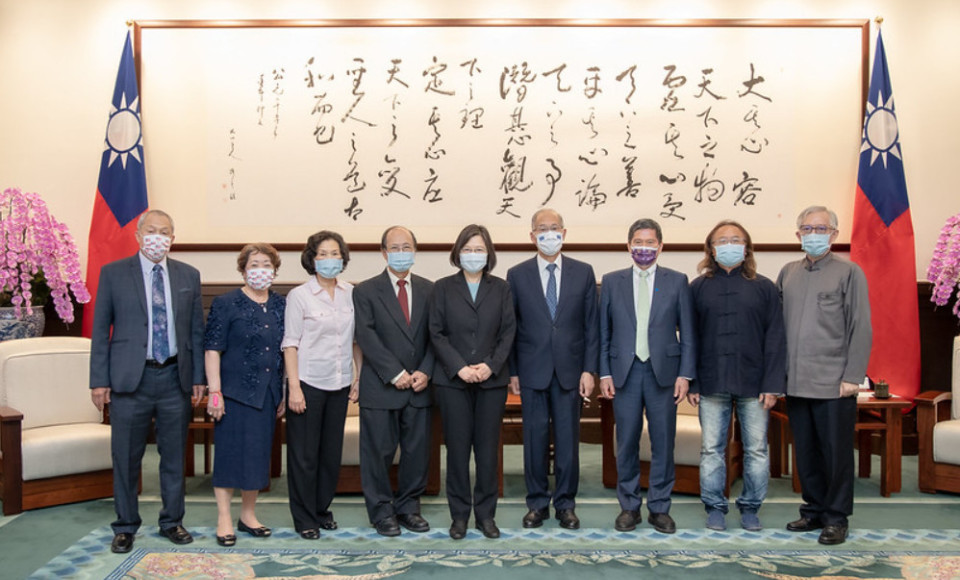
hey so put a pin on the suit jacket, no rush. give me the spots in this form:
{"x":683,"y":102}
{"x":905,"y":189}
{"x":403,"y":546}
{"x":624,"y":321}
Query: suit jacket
{"x":670,"y":311}
{"x":568,"y":345}
{"x":389,"y":344}
{"x":118,"y":351}
{"x":465,"y":332}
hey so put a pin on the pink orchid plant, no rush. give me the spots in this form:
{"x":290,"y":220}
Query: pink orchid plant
{"x":37,"y":248}
{"x":944,"y":270}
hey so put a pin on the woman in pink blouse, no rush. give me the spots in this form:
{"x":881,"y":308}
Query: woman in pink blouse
{"x":319,"y":355}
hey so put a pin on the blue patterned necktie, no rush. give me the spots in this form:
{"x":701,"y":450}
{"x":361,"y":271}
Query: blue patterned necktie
{"x":552,"y":290}
{"x":161,"y":341}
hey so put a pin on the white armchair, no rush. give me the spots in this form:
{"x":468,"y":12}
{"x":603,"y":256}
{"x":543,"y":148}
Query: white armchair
{"x":54,"y":447}
{"x":938,"y":425}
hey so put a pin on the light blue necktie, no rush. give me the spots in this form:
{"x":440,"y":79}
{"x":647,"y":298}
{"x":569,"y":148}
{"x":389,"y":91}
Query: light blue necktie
{"x":552,"y":291}
{"x":643,"y":316}
{"x":161,"y":340}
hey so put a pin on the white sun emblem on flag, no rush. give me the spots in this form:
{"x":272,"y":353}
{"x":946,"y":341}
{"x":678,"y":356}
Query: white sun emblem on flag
{"x":123,"y":132}
{"x":880,"y":132}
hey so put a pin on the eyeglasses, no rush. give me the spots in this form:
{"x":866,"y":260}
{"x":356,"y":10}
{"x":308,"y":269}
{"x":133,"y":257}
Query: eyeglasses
{"x":473,"y":251}
{"x":725,"y":241}
{"x":815,"y":229}
{"x":552,"y":228}
{"x":403,"y":248}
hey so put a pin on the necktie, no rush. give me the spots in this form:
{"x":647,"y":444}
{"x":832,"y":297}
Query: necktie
{"x":552,"y":291}
{"x":643,"y":316}
{"x":402,"y":297}
{"x":158,"y":300}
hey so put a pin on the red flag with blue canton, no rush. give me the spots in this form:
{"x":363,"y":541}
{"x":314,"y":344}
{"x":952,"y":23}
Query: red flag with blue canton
{"x":882,"y":241}
{"x":122,"y":188}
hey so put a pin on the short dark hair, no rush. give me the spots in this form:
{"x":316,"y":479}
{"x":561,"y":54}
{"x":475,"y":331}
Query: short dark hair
{"x":464,"y":237}
{"x":645,"y":224}
{"x":313,"y":244}
{"x":383,"y":238}
{"x":259,"y":248}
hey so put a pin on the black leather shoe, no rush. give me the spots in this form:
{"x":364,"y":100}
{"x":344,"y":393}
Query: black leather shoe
{"x":310,"y":534}
{"x":489,"y":528}
{"x":261,"y":532}
{"x":534,"y":518}
{"x":568,"y":519}
{"x":328,"y":524}
{"x":663,"y":523}
{"x":413,"y":522}
{"x":177,"y":534}
{"x":122,"y":543}
{"x":627,"y":521}
{"x":388,"y":526}
{"x":227,"y":541}
{"x":458,"y":529}
{"x":804,"y":525}
{"x":833,"y":534}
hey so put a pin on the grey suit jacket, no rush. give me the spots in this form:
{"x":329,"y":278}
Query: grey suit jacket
{"x":118,"y":352}
{"x":391,"y":346}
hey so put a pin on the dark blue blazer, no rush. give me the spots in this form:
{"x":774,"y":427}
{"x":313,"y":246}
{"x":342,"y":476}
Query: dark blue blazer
{"x":568,"y":345}
{"x":118,"y":351}
{"x":670,"y":311}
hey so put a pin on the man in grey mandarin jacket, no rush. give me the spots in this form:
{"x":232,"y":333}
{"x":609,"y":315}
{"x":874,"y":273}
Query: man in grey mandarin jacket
{"x":827,"y":318}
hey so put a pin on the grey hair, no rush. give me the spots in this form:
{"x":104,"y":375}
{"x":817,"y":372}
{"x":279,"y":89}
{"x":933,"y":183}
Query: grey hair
{"x":533,"y":220}
{"x":834,"y":222}
{"x":158,"y":212}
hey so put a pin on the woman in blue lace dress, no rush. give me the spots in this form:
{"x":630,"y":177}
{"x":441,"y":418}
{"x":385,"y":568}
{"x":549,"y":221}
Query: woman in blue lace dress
{"x":244,"y":367}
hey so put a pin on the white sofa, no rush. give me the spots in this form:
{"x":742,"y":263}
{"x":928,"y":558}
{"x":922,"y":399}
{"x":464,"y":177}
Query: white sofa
{"x":938,"y":426}
{"x":54,"y":447}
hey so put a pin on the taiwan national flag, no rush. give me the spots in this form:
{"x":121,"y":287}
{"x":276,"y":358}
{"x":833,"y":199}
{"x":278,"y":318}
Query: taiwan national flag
{"x":882,"y":240}
{"x":122,"y":188}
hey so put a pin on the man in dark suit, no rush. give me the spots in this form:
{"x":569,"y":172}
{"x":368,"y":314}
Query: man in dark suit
{"x":644,"y":365}
{"x":554,"y":358}
{"x":391,"y":314}
{"x":146,"y":354}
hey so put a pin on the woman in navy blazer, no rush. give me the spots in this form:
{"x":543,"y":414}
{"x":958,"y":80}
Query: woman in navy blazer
{"x":472,"y":325}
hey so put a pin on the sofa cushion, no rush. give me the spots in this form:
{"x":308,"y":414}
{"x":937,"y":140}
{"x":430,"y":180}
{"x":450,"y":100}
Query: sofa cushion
{"x":65,"y":449}
{"x":686,"y":450}
{"x":946,"y":442}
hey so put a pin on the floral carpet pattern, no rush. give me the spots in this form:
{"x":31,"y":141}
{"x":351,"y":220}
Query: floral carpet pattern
{"x":359,"y":554}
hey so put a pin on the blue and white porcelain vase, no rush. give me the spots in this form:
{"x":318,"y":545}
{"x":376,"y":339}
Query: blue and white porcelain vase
{"x":27,"y":326}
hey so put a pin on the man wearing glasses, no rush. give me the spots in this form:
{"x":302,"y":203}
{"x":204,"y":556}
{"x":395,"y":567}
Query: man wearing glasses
{"x":827,"y":318}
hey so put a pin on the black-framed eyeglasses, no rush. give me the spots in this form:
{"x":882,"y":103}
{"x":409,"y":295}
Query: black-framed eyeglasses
{"x":815,"y":229}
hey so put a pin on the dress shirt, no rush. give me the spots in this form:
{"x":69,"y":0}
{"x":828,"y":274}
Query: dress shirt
{"x":545,"y":274}
{"x":147,"y":267}
{"x":321,"y":329}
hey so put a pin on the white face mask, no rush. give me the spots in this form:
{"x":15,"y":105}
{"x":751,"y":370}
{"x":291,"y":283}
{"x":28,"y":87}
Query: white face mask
{"x":550,"y":243}
{"x":155,"y":246}
{"x":260,"y":278}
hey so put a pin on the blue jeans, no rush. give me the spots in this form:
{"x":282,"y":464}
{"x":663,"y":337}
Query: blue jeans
{"x":715,"y":411}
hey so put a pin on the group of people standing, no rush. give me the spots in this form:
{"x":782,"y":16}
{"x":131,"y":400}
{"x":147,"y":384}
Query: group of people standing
{"x":402,"y":346}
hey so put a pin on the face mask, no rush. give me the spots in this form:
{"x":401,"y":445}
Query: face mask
{"x":815,"y":245}
{"x":400,"y":261}
{"x":549,"y":243}
{"x":473,"y":263}
{"x":643,"y":256}
{"x":329,"y":267}
{"x":729,"y":255}
{"x":260,"y":278}
{"x":155,"y":246}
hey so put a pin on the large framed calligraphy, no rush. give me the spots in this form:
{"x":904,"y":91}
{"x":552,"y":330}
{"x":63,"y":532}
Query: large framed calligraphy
{"x":273,"y":129}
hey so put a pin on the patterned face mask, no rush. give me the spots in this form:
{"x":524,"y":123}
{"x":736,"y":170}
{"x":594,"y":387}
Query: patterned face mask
{"x":260,"y":278}
{"x":155,"y":246}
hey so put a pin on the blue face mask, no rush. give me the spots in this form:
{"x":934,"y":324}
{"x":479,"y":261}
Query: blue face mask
{"x":815,"y":245}
{"x":729,"y":255}
{"x":328,"y":268}
{"x":473,"y":263}
{"x":400,"y":261}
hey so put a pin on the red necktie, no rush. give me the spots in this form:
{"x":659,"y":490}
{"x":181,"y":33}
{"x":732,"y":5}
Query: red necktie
{"x":402,"y":297}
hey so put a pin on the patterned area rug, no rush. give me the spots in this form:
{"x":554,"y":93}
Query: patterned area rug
{"x":362,"y":555}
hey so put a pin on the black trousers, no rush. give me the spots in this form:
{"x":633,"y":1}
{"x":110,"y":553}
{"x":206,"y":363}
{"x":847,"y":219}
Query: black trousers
{"x":314,"y":451}
{"x":471,"y":421}
{"x":381,"y":431}
{"x":541,"y":408}
{"x":823,"y":434}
